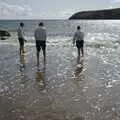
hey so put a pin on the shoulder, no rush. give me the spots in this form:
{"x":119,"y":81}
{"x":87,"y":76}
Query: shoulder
{"x":18,"y":28}
{"x":36,"y":29}
{"x":75,"y":33}
{"x":44,"y":28}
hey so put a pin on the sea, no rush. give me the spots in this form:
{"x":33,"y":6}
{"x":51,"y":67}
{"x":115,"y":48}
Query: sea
{"x":64,"y":87}
{"x":96,"y":31}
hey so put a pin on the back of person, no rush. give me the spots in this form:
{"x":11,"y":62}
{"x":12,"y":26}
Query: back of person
{"x":40,"y":34}
{"x":79,"y":39}
{"x":40,"y":37}
{"x":20,"y":32}
{"x":79,"y":35}
{"x":21,"y":37}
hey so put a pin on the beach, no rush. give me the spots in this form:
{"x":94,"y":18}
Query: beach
{"x":62,"y":88}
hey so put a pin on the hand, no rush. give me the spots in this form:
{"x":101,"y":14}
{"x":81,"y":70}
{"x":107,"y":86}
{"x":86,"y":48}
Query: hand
{"x":73,"y":45}
{"x":73,"y":42}
{"x":25,"y":40}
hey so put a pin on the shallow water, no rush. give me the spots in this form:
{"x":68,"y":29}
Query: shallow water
{"x":63,"y":88}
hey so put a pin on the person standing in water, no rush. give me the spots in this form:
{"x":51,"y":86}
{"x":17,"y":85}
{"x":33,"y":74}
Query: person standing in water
{"x":79,"y":39}
{"x":40,"y":37}
{"x":21,"y":37}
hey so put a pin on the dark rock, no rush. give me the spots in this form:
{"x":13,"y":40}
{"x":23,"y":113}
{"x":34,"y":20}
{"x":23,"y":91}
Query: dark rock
{"x":4,"y":33}
{"x":98,"y":14}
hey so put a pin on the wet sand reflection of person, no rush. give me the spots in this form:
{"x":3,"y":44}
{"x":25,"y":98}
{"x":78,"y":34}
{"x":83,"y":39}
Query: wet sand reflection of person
{"x":23,"y":77}
{"x":22,"y":62}
{"x":40,"y":76}
{"x":79,"y":67}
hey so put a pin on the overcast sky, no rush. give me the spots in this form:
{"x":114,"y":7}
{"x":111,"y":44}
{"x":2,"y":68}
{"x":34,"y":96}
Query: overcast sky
{"x":50,"y":9}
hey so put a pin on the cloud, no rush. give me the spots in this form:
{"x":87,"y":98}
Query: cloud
{"x":59,"y":14}
{"x":115,"y":1}
{"x":67,"y":13}
{"x":8,"y":11}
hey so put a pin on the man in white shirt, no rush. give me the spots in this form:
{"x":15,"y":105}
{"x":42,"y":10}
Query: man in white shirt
{"x":40,"y":37}
{"x":21,"y":37}
{"x":79,"y":39}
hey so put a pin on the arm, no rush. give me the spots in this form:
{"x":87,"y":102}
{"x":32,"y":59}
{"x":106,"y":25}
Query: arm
{"x":45,"y":34}
{"x":35,"y":34}
{"x":74,"y":38}
{"x":83,"y":36}
{"x":23,"y":34}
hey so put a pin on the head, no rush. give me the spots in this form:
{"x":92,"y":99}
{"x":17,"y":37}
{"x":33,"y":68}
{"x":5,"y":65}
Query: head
{"x":41,"y":24}
{"x":22,"y":24}
{"x":78,"y":28}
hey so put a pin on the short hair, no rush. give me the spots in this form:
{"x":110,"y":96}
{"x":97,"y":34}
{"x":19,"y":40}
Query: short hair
{"x":78,"y":27}
{"x":41,"y":24}
{"x":22,"y":24}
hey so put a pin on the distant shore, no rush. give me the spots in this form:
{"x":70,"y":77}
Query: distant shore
{"x":98,"y":14}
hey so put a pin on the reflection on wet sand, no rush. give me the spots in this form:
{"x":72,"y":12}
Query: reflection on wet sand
{"x":38,"y":62}
{"x":72,"y":91}
{"x":79,"y":66}
{"x":40,"y":76}
{"x":22,"y":62}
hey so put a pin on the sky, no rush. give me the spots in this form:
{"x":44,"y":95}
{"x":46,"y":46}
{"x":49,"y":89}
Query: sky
{"x":50,"y":9}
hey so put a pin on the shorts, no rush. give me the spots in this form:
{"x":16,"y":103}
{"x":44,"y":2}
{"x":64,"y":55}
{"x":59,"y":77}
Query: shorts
{"x":21,"y":41}
{"x":40,"y":44}
{"x":79,"y":44}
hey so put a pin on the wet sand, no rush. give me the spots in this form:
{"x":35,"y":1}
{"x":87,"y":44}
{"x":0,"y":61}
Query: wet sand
{"x":60,"y":89}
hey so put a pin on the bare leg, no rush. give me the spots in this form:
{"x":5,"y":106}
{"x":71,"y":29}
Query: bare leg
{"x":23,"y":49}
{"x":37,"y":57}
{"x":44,"y":53}
{"x":79,"y":52}
{"x":82,"y":51}
{"x":20,"y":49}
